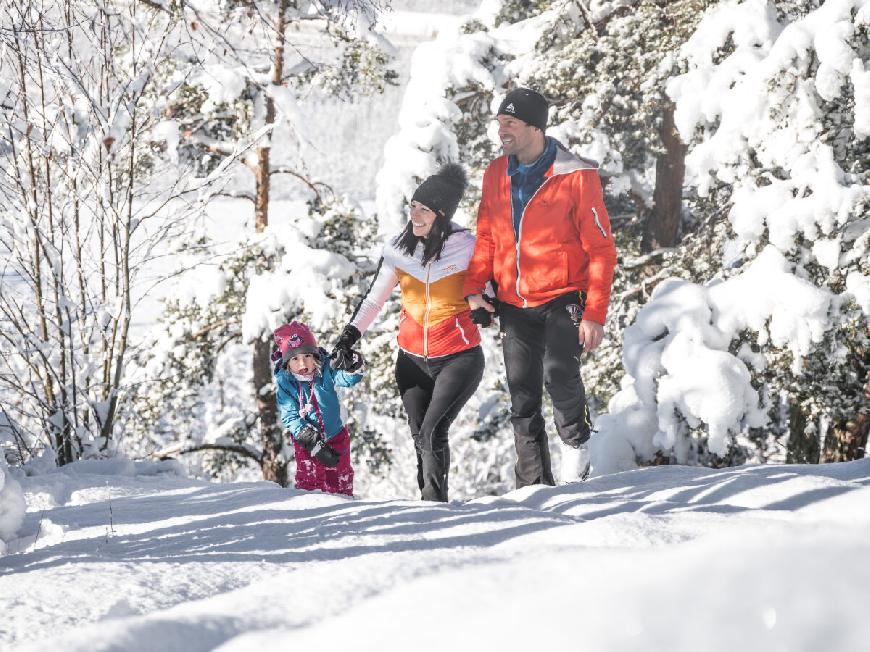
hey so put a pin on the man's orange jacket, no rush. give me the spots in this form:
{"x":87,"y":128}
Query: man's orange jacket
{"x":564,"y":240}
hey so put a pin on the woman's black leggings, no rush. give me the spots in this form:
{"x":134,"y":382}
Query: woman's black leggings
{"x":433,"y":391}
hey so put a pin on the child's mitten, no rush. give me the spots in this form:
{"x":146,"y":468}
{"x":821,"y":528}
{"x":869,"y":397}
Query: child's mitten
{"x":308,"y":437}
{"x":311,"y":439}
{"x":325,"y":454}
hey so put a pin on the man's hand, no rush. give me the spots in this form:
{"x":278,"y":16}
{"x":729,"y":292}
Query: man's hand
{"x":590,"y":333}
{"x":477,"y":301}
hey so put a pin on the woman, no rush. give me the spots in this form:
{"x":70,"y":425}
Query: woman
{"x":440,"y":362}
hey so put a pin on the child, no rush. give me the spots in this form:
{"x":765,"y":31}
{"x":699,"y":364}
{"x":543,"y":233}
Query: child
{"x":310,"y":410}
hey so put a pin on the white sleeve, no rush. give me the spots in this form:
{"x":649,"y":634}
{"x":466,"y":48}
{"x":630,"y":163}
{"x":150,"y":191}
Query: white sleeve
{"x":376,"y":296}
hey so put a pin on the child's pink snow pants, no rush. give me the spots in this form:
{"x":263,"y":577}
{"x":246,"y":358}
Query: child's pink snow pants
{"x":311,"y":474}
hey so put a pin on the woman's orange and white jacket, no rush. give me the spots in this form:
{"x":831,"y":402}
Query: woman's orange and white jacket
{"x":435,"y":320}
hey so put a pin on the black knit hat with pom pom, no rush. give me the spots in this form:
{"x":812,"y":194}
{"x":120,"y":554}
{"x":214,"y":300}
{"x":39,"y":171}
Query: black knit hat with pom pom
{"x":443,"y":190}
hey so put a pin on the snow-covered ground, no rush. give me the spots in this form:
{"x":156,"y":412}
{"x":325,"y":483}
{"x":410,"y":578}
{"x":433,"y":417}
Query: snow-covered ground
{"x":117,"y":556}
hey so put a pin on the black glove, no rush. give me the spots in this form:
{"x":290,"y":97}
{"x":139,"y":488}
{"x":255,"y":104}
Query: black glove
{"x":483,"y":317}
{"x":343,"y":356}
{"x":312,"y":440}
{"x":308,"y":437}
{"x":326,"y":454}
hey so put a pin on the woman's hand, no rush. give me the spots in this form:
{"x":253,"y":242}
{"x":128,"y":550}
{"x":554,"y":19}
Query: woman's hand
{"x":343,"y":356}
{"x":482,"y":309}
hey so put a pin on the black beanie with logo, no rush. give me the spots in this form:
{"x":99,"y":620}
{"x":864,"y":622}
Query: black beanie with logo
{"x":527,"y":105}
{"x":442,"y":191}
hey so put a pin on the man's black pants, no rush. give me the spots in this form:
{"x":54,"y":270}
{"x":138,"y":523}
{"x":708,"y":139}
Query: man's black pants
{"x":433,"y":391}
{"x":542,"y":348}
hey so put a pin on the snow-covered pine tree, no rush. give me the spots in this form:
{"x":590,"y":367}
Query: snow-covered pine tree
{"x":773,"y":104}
{"x":312,"y":266}
{"x":256,"y":61}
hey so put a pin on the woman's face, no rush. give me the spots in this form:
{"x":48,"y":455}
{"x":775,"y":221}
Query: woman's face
{"x":422,"y":219}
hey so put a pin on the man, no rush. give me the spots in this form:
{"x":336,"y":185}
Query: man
{"x":543,"y":237}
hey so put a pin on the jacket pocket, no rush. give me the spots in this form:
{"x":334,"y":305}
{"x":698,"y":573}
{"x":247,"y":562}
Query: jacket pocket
{"x":546,"y":271}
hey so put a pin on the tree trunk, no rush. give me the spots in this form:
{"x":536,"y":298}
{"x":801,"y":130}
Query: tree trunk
{"x":663,"y":221}
{"x":803,"y":446}
{"x":274,"y":467}
{"x":847,"y":440}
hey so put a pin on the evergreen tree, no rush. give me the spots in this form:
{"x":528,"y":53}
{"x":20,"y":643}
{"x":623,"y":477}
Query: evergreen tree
{"x":253,"y":67}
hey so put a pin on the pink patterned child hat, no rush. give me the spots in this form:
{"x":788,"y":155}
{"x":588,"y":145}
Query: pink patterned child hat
{"x":294,"y":338}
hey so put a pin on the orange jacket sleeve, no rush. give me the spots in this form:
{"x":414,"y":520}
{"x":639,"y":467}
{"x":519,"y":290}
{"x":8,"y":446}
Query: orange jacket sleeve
{"x":596,"y":238}
{"x":480,"y":266}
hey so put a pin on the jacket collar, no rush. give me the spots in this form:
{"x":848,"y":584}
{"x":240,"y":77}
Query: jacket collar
{"x":564,"y":161}
{"x":541,"y":164}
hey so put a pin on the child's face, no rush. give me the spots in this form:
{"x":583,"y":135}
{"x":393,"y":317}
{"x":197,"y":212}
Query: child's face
{"x":302,"y":364}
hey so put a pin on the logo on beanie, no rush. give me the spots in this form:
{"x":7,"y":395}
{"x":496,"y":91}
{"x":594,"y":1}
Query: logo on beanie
{"x":295,"y":340}
{"x":510,"y":108}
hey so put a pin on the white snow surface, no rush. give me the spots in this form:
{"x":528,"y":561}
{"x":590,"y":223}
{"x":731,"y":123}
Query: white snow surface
{"x":122,"y":556}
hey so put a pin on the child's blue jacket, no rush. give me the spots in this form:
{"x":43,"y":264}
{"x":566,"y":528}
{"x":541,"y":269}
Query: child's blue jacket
{"x":325,"y":382}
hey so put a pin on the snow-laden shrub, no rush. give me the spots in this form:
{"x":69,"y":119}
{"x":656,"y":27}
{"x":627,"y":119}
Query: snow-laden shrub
{"x":80,"y":213}
{"x":12,"y":507}
{"x":775,"y":115}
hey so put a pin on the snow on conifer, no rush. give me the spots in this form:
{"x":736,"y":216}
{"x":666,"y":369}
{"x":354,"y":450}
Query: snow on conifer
{"x":775,"y":127}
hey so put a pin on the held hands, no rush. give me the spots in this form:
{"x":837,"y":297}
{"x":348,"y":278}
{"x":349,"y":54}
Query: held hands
{"x":482,"y":309}
{"x":343,"y":356}
{"x":311,"y":439}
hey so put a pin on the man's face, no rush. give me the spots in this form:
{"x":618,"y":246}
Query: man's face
{"x":516,"y":136}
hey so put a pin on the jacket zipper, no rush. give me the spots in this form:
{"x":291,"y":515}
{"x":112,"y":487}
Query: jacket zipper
{"x":520,"y":235}
{"x":426,"y":315}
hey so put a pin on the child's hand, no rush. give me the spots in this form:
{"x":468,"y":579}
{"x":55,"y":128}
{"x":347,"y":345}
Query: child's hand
{"x":308,"y":437}
{"x":326,"y":454}
{"x":311,"y":439}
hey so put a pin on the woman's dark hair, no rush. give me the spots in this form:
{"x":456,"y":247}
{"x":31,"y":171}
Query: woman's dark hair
{"x":433,"y":244}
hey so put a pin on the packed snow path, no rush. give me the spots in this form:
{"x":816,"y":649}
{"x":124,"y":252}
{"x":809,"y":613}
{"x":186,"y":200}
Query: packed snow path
{"x":676,"y":558}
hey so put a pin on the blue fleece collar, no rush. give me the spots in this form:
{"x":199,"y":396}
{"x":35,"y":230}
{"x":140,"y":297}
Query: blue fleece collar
{"x":540,"y":166}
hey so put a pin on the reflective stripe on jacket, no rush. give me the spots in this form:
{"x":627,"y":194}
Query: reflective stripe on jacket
{"x":563,"y":241}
